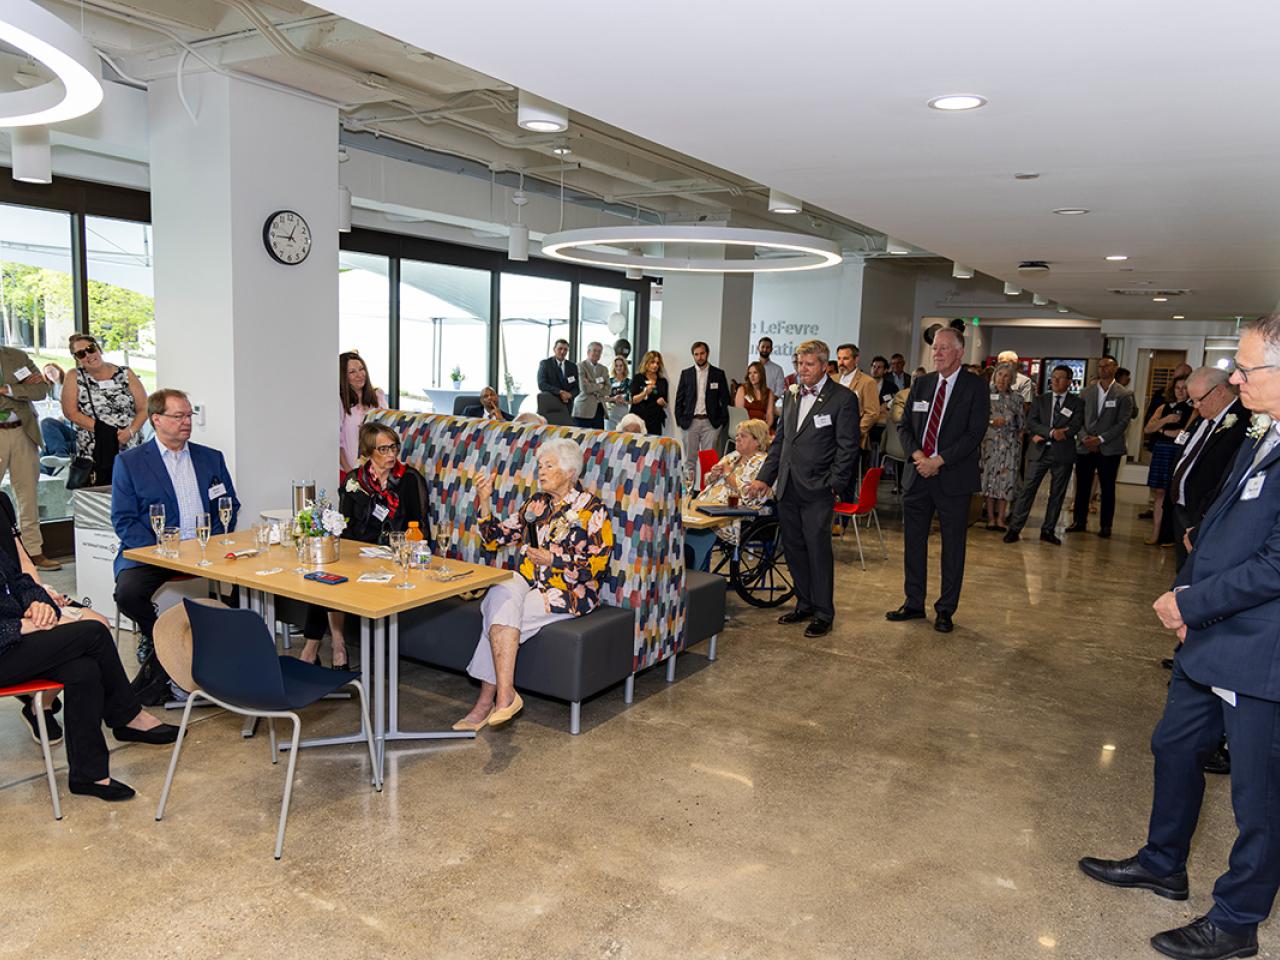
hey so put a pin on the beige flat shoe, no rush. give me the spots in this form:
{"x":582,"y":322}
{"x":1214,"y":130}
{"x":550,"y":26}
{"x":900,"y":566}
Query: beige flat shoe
{"x":464,"y":724}
{"x":498,"y":717}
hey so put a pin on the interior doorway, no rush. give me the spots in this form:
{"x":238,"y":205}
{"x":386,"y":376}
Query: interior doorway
{"x":1160,"y":367}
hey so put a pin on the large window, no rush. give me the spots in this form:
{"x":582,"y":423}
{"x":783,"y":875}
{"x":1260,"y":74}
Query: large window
{"x":535,"y":314}
{"x":36,"y":292}
{"x":364,"y":309}
{"x":444,"y":334}
{"x":606,"y":314}
{"x":122,"y":307}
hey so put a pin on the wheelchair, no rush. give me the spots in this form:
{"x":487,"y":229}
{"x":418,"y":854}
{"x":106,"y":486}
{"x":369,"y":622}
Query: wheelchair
{"x":757,"y":567}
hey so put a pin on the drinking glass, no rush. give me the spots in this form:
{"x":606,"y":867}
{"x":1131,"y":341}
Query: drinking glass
{"x":300,"y":547}
{"x":170,"y":537}
{"x":157,"y":522}
{"x":404,"y":553}
{"x":395,"y":540}
{"x":204,"y":526}
{"x":224,"y":514}
{"x":262,"y":537}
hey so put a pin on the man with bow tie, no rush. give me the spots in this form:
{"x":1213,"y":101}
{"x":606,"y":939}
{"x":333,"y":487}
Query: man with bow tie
{"x":812,"y":457}
{"x":1225,"y":607}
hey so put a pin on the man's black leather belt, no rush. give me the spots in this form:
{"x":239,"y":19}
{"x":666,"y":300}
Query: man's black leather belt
{"x":10,"y":424}
{"x":701,"y":416}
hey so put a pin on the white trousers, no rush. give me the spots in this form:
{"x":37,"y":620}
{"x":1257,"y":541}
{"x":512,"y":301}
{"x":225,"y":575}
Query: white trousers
{"x":515,"y":604}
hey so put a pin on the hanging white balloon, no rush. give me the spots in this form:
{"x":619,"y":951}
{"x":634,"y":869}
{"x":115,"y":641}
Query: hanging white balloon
{"x":617,"y":323}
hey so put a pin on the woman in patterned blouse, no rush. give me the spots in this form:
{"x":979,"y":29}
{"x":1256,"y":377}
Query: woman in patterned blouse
{"x":565,"y":539}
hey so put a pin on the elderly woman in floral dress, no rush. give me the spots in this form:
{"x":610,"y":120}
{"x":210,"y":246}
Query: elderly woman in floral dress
{"x":565,"y":538}
{"x":1002,"y":446}
{"x":735,"y":471}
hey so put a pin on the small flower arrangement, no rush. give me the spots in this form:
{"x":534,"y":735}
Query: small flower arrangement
{"x":319,"y":519}
{"x":1259,"y":424}
{"x":456,"y":375}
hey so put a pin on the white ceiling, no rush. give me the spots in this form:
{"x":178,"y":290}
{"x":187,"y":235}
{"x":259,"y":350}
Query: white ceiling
{"x":1157,"y":115}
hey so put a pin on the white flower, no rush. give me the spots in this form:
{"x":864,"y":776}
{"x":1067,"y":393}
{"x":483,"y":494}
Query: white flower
{"x":1259,"y":424}
{"x":1228,"y":422}
{"x":353,"y":485}
{"x":794,"y":388}
{"x":333,"y":522}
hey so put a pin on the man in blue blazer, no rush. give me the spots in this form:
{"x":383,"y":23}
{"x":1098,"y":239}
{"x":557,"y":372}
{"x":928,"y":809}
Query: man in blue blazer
{"x":558,"y":375}
{"x":186,"y":478}
{"x":1225,"y":606}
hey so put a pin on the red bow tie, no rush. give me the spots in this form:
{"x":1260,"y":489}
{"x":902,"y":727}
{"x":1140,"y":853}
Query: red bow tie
{"x":808,"y":391}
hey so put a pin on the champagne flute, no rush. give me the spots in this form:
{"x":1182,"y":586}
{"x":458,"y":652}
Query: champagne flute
{"x":405,"y":556}
{"x":204,"y":526}
{"x":442,"y":540}
{"x":157,"y":522}
{"x":300,"y":546}
{"x":224,"y":514}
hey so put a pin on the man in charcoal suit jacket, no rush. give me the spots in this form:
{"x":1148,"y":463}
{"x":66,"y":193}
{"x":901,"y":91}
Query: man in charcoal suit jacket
{"x":1100,"y":446}
{"x":1055,"y":418}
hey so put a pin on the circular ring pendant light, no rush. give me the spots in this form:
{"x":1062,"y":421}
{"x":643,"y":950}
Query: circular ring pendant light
{"x":618,"y":247}
{"x":39,"y":34}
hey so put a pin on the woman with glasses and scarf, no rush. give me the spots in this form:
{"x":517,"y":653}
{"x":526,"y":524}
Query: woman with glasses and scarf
{"x":382,"y":495}
{"x":107,"y":404}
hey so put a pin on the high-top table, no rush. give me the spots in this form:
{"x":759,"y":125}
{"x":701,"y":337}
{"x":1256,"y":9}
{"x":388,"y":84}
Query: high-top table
{"x":378,"y":605}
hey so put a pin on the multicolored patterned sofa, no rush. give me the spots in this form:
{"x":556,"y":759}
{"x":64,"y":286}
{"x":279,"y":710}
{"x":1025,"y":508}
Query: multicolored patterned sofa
{"x":637,"y":477}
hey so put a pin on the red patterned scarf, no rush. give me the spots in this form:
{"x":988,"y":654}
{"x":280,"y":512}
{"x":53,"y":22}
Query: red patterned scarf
{"x":376,"y":492}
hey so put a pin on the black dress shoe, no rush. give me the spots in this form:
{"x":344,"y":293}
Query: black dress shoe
{"x":1049,"y":538}
{"x":1146,"y":514}
{"x":112,"y":792}
{"x":904,"y":613}
{"x":52,"y":727}
{"x":1130,"y":873}
{"x":1076,"y":528}
{"x":165,"y":733}
{"x":1104,"y":533}
{"x":1201,"y":939}
{"x":819,"y":628}
{"x":795,"y":616}
{"x":1167,"y":663}
{"x":1219,"y":762}
{"x":1011,"y":537}
{"x":942,"y":623}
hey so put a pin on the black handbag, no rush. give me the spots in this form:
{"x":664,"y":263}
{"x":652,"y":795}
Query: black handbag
{"x":84,"y":471}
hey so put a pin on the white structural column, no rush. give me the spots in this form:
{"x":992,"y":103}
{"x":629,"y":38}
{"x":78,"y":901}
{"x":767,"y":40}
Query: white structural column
{"x":712,"y":307}
{"x":254,"y":342}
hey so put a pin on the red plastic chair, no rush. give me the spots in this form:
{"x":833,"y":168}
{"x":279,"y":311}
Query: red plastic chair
{"x":706,"y":460}
{"x":865,"y":504}
{"x":38,"y":688}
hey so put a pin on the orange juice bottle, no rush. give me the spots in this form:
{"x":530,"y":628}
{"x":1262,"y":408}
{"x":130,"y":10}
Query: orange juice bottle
{"x":414,"y":532}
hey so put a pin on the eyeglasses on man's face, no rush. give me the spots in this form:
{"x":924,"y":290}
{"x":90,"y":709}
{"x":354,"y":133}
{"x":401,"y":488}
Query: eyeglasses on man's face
{"x":1245,"y":371}
{"x":81,"y":354}
{"x":1196,"y":401}
{"x":178,"y":417}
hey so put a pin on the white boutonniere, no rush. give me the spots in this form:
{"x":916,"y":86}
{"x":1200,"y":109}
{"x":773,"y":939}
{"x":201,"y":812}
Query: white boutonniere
{"x":352,"y":485}
{"x":794,"y":388}
{"x":1259,"y":424}
{"x":1227,"y":423}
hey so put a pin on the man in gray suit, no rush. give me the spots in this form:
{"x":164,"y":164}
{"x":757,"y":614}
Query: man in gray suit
{"x":588,"y":405}
{"x":1100,"y":446}
{"x":1055,"y":419}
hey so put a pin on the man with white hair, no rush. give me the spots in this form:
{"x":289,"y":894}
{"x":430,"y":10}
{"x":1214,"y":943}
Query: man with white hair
{"x":1022,"y":384}
{"x":1224,"y":605}
{"x":1208,"y":451}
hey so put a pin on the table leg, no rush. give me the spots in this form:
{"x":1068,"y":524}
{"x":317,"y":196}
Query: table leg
{"x":380,"y":694}
{"x":393,"y":692}
{"x":370,"y":687}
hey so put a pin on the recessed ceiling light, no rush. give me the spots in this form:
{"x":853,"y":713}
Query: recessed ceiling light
{"x":958,"y":101}
{"x":1071,"y":211}
{"x":1117,"y":257}
{"x":1159,"y":299}
{"x":1178,"y":316}
{"x":540,"y":115}
{"x":1026,"y":176}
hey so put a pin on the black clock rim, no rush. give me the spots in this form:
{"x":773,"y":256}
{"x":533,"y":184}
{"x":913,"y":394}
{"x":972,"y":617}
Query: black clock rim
{"x":266,"y":237}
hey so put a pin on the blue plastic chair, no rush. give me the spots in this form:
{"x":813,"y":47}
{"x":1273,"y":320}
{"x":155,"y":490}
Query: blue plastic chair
{"x":235,"y":665}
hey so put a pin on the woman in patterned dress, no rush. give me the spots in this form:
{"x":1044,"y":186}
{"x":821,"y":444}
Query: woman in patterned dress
{"x":565,"y":538}
{"x":1002,"y":446}
{"x":108,"y":407}
{"x":735,"y":471}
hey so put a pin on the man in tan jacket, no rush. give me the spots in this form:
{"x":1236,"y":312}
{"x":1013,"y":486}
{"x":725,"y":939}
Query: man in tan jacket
{"x":21,"y":383}
{"x":864,"y":385}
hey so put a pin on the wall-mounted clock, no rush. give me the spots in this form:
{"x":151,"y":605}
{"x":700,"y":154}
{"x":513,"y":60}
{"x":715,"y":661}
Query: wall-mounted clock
{"x":287,"y":237}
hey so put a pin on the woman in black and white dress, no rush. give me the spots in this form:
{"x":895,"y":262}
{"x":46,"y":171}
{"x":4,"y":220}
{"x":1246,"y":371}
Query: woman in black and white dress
{"x":108,"y":407}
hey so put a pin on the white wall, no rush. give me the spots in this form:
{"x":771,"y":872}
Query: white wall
{"x":252,"y":339}
{"x":886,"y":321}
{"x":794,"y":307}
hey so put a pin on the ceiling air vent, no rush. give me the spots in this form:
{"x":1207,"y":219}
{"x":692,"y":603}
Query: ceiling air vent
{"x":1033,"y":267}
{"x":1147,"y":292}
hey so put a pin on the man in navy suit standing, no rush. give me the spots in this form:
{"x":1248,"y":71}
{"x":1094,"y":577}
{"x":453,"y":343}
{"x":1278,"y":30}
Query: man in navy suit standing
{"x":1225,"y":607}
{"x":941,"y":432}
{"x":185,"y":477}
{"x":558,"y":375}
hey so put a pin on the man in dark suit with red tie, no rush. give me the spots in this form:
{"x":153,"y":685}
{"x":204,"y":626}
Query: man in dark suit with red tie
{"x":941,"y":432}
{"x":1225,"y":607}
{"x":812,"y":457}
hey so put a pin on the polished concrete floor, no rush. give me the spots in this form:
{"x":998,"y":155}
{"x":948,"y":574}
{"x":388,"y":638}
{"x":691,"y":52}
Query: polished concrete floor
{"x":882,"y":792}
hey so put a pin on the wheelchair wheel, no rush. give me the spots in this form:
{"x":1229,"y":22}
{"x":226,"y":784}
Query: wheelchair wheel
{"x":759,"y":571}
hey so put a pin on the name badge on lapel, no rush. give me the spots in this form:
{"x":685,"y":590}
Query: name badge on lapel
{"x":1253,"y":487}
{"x":380,"y":512}
{"x":920,"y":406}
{"x":715,"y":386}
{"x":575,"y":380}
{"x":822,"y":420}
{"x":21,"y":374}
{"x":1182,"y":438}
{"x":1109,"y":403}
{"x":217,"y":490}
{"x":1065,"y":410}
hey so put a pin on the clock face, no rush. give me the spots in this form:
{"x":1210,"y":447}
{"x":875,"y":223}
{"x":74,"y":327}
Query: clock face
{"x":287,"y":237}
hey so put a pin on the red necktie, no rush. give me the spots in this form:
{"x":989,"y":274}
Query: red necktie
{"x":935,"y":420}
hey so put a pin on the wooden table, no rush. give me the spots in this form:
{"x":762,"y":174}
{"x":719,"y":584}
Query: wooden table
{"x":700,"y":535}
{"x":378,"y":605}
